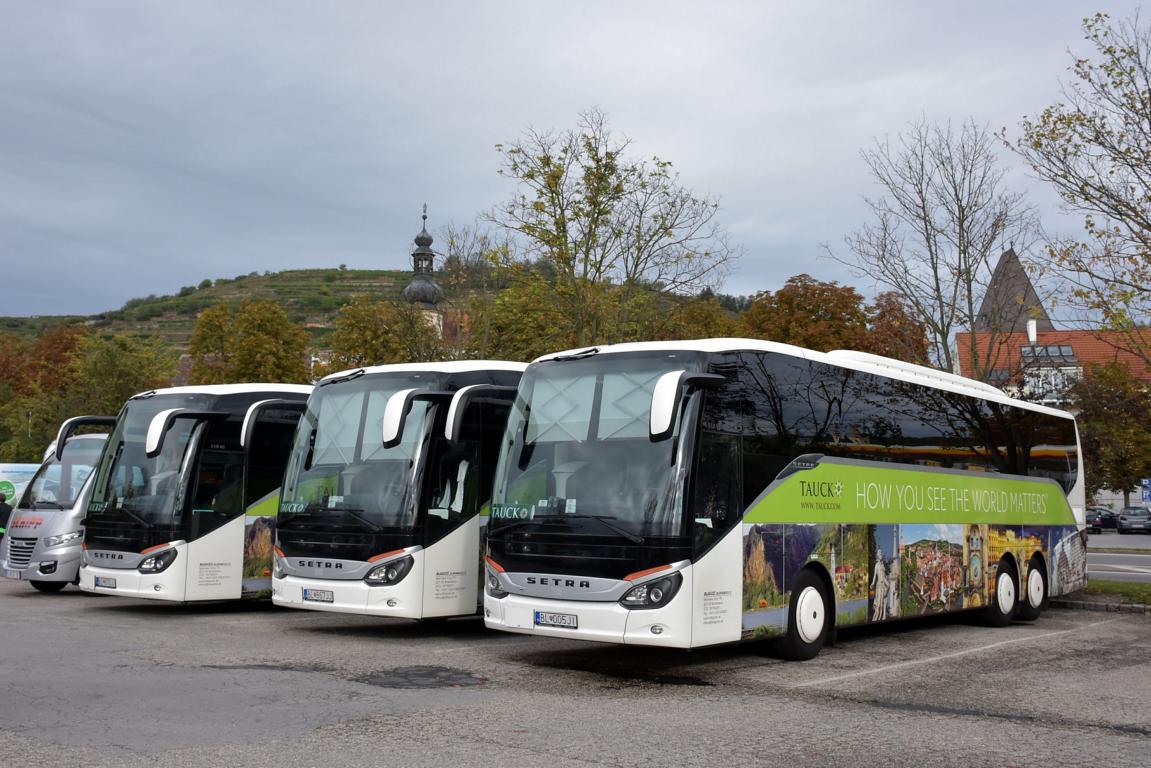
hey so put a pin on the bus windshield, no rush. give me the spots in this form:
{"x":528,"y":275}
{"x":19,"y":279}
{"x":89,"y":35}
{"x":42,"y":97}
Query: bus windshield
{"x":57,"y":483}
{"x":132,"y":488}
{"x":577,"y":448}
{"x":340,"y":476}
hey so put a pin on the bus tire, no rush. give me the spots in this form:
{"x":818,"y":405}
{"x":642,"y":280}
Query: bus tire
{"x":808,"y":619}
{"x":1001,"y":606}
{"x":1035,"y":591}
{"x":48,"y":586}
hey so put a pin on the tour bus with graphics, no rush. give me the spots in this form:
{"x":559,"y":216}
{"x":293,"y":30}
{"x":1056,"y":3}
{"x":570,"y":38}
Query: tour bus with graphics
{"x":184,"y":497}
{"x":387,"y":489}
{"x":43,"y":543}
{"x":699,"y":492}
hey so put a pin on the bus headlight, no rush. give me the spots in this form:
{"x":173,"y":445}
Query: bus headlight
{"x":63,"y":538}
{"x":389,"y":573}
{"x":652,"y":594}
{"x":493,"y":587}
{"x":157,"y":562}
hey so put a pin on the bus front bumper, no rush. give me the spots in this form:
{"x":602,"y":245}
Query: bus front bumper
{"x":166,"y":585}
{"x":669,"y":626}
{"x":61,"y":564}
{"x":402,"y":600}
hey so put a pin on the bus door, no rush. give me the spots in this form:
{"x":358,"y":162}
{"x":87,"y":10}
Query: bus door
{"x":458,"y":489}
{"x":266,"y":438}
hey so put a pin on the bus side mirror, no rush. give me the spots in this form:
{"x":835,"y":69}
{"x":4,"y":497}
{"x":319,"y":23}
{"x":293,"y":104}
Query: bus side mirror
{"x":465,"y":396}
{"x":71,"y":425}
{"x":398,"y":407}
{"x":665,"y":399}
{"x":257,"y":409}
{"x":162,"y":421}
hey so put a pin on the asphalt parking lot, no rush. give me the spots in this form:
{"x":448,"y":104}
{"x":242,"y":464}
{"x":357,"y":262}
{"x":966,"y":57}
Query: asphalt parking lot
{"x":96,"y":681}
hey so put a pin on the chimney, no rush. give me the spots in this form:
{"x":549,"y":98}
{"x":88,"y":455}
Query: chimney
{"x":1032,"y":332}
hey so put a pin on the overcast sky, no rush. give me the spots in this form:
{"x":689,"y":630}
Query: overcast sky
{"x":147,"y":145}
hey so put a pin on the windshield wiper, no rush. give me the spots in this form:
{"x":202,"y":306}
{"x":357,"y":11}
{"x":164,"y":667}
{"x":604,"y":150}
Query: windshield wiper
{"x":346,"y":377}
{"x":134,"y":516}
{"x":365,"y":521}
{"x":558,"y":520}
{"x":603,"y":520}
{"x":55,"y":504}
{"x":545,"y":520}
{"x":578,"y":355}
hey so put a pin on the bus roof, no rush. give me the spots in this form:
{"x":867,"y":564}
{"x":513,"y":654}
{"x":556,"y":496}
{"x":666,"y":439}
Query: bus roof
{"x":228,"y":389}
{"x":454,"y":366}
{"x":858,"y":361}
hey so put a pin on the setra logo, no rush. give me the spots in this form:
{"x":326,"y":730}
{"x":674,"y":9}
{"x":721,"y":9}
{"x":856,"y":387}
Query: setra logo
{"x":105,"y":555}
{"x":319,"y":564}
{"x":547,"y":581}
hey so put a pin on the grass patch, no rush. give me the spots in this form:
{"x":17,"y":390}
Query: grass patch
{"x":1127,"y":591}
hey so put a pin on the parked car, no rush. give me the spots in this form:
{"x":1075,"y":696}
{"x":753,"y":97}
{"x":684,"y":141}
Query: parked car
{"x":1134,"y":520}
{"x":1099,"y":518}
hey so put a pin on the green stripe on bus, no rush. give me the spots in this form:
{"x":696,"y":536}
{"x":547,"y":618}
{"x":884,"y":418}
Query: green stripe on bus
{"x":835,"y":492}
{"x":265,"y":507}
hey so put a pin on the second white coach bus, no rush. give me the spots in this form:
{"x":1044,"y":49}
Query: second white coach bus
{"x":185,"y":494}
{"x":387,"y":488}
{"x":691,"y":493}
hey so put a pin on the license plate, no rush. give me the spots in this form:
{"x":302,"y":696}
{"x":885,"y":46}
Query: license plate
{"x":319,"y":595}
{"x":106,"y":582}
{"x":565,"y":620}
{"x":12,"y":574}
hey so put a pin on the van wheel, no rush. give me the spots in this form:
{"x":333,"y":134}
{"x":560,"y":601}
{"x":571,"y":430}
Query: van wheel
{"x":49,"y":586}
{"x":1003,"y":598}
{"x":807,"y":620}
{"x":1035,"y":594}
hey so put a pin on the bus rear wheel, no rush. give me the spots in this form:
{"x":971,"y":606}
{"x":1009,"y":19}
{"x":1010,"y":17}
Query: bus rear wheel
{"x":1001,"y":608}
{"x":48,"y":586}
{"x":808,"y":619}
{"x":1035,"y":593}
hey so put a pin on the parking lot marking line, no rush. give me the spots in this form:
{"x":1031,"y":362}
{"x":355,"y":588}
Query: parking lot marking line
{"x":946,"y":656}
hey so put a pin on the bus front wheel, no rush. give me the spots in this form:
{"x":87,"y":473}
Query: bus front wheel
{"x":808,"y":620}
{"x":49,"y":586}
{"x":1001,"y":607}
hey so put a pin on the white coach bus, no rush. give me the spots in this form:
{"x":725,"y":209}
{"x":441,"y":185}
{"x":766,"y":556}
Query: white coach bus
{"x":185,"y":495}
{"x":691,"y":493}
{"x":387,"y":488}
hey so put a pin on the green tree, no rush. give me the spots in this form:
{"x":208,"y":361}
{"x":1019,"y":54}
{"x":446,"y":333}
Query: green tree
{"x":1115,"y":425}
{"x":256,"y":341}
{"x":808,"y":313}
{"x":380,"y":332}
{"x":101,"y":373}
{"x":606,"y":225}
{"x":1094,"y":148}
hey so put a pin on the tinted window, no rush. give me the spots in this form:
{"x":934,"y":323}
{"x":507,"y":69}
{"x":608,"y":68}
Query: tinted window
{"x":784,"y":407}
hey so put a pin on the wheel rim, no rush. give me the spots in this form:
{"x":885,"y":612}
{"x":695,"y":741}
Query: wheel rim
{"x":810,"y":614}
{"x":1035,"y":588}
{"x":1005,"y":592}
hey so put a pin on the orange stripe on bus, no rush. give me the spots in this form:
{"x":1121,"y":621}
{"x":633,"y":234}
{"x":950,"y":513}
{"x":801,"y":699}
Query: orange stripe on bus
{"x":279,"y":551}
{"x":152,"y":549}
{"x":641,"y":574}
{"x":495,"y":566}
{"x":374,"y":558}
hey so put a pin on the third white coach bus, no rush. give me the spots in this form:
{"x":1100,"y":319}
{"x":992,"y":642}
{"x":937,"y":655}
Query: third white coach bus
{"x":691,"y":493}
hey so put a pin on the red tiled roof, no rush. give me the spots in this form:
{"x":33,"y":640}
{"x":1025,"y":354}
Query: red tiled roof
{"x":1090,"y":347}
